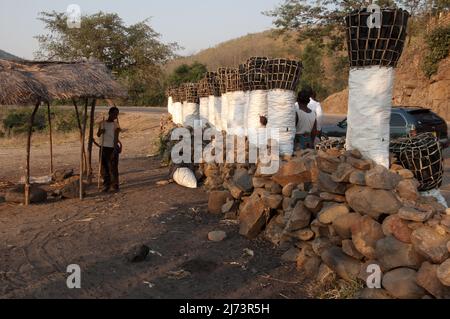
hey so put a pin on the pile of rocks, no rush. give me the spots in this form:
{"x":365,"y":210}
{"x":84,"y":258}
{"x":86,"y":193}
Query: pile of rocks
{"x":337,"y":212}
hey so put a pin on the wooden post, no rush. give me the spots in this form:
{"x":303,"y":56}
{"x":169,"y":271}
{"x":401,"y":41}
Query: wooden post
{"x":77,"y":113}
{"x":91,"y":140}
{"x":83,"y":137}
{"x":27,"y":168}
{"x":51,"y":138}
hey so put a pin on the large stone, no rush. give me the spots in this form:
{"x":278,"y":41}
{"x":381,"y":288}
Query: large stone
{"x":216,"y":200}
{"x":260,"y":182}
{"x":252,"y":217}
{"x":343,"y":172}
{"x":275,"y":188}
{"x":373,"y":294}
{"x":365,"y":234}
{"x":311,"y":266}
{"x":288,"y":189}
{"x":327,"y":163}
{"x":443,"y":273}
{"x":345,"y":266}
{"x":392,"y":253}
{"x":332,"y":197}
{"x":414,"y":215}
{"x":407,"y":189}
{"x":326,"y":184}
{"x":343,"y":224}
{"x":358,"y":177}
{"x":272,"y":201}
{"x":401,"y":283}
{"x":361,"y":164}
{"x":427,"y":278}
{"x":431,"y":244}
{"x":234,"y":190}
{"x":217,"y":236}
{"x":397,"y":227}
{"x":17,"y":195}
{"x":303,"y":234}
{"x":299,"y":219}
{"x":381,"y":178}
{"x":294,"y":171}
{"x":405,"y":173}
{"x":313,"y":203}
{"x":349,"y":248}
{"x":372,"y":202}
{"x":329,"y":214}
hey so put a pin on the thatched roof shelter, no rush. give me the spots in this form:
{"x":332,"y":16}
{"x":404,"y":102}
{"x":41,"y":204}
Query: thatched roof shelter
{"x":19,"y":87}
{"x":69,"y":80}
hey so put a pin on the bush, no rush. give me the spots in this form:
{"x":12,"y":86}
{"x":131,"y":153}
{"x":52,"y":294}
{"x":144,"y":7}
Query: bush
{"x":16,"y":121}
{"x":439,"y":46}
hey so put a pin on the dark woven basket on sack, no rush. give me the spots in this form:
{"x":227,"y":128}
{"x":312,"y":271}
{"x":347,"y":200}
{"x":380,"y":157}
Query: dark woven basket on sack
{"x":283,"y":74}
{"x":376,"y":46}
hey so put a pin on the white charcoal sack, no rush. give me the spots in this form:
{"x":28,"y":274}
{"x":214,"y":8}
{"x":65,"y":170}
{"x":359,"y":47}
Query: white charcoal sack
{"x":185,"y":177}
{"x":236,"y":112}
{"x":225,"y":112}
{"x":211,"y":111}
{"x":281,"y":116}
{"x":369,"y":112}
{"x":190,"y":114}
{"x":204,"y":110}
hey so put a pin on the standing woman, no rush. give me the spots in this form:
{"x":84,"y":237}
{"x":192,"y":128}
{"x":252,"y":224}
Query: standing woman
{"x":112,"y":147}
{"x":306,"y":122}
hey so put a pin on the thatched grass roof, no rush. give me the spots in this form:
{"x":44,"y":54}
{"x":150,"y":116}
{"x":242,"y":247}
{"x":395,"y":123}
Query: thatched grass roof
{"x":24,"y":82}
{"x":18,"y":87}
{"x":65,"y":80}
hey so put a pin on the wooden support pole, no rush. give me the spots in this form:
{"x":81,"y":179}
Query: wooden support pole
{"x":51,"y":138}
{"x":82,"y":148}
{"x":77,"y":113}
{"x":91,"y":140}
{"x":27,"y":167}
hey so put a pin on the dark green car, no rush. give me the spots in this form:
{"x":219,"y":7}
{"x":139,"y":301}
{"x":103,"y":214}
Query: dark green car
{"x":405,"y":121}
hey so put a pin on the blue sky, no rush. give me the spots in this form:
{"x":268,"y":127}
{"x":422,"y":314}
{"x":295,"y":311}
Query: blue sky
{"x":194,"y":24}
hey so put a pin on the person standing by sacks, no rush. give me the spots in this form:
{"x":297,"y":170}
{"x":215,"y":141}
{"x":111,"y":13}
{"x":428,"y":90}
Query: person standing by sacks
{"x":109,"y":131}
{"x":306,"y":122}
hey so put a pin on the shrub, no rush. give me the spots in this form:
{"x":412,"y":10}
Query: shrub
{"x":438,"y":44}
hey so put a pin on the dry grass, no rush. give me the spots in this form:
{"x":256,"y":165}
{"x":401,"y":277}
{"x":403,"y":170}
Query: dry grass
{"x":335,"y":289}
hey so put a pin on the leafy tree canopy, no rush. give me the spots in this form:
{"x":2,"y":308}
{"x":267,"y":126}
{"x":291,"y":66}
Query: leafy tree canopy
{"x":187,"y":73}
{"x":134,"y":53}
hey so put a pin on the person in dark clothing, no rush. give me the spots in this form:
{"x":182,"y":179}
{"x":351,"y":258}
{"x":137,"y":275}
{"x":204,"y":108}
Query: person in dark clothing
{"x":111,"y":148}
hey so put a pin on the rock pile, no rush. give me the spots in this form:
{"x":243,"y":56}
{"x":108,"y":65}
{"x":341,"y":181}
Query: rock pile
{"x":339,"y":212}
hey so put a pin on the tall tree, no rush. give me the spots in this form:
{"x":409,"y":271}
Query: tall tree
{"x":134,"y":53}
{"x":187,"y":73}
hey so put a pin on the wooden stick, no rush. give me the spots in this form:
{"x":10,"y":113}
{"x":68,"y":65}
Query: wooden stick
{"x":101,"y":157}
{"x":82,"y":148}
{"x":27,"y":168}
{"x":51,"y":138}
{"x":91,"y":140}
{"x":77,"y":113}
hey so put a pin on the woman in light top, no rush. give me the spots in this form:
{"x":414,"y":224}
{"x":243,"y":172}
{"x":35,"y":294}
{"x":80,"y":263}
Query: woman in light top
{"x":306,"y":122}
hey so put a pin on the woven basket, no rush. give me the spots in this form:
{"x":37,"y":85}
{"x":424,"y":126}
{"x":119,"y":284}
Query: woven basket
{"x":376,"y":46}
{"x":283,"y":74}
{"x":222,"y":78}
{"x":257,"y":73}
{"x":422,"y":155}
{"x":233,"y":80}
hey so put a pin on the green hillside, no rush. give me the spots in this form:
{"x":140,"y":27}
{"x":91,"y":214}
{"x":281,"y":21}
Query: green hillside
{"x":7,"y":56}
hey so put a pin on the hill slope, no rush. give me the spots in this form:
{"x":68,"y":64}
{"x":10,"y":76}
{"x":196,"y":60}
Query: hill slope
{"x":7,"y":56}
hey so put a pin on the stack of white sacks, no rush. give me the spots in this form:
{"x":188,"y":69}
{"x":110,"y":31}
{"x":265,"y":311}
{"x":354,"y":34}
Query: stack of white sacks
{"x":235,"y":100}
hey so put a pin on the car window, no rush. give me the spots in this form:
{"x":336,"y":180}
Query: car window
{"x":397,"y":120}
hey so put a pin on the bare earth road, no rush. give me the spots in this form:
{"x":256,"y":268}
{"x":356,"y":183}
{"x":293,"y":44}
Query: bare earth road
{"x":39,"y":242}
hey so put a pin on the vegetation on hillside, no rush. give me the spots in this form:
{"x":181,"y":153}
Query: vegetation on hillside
{"x":187,"y":73}
{"x":438,"y":49}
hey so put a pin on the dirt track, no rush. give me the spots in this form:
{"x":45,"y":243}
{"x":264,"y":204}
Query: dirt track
{"x":38,"y":243}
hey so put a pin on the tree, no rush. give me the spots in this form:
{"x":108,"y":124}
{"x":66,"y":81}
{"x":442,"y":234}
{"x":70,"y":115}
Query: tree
{"x":313,"y":72}
{"x":133,"y":53}
{"x":187,"y":73}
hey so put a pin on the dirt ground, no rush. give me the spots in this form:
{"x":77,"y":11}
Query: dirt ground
{"x":37,"y":243}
